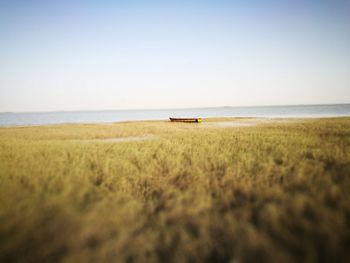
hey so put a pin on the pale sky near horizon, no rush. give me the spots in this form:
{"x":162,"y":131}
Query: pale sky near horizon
{"x":95,"y":55}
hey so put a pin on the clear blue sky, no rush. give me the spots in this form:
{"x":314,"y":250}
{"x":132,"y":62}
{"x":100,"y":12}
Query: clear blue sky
{"x":92,"y":55}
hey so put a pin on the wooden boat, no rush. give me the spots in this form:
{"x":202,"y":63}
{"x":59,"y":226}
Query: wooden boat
{"x":191,"y":120}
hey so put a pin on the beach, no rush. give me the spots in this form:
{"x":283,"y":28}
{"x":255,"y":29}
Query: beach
{"x":225,"y":190}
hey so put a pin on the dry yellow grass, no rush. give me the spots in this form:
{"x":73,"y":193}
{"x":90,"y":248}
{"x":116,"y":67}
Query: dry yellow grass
{"x":276,"y":192}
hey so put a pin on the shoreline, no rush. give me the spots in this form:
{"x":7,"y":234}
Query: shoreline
{"x":116,"y":116}
{"x":205,"y":120}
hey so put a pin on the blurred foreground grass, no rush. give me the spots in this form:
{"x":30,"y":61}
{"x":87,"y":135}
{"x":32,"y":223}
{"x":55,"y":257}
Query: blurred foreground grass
{"x":276,"y":192}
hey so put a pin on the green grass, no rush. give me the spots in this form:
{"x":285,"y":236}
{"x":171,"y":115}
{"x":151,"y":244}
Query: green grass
{"x":277,"y":192}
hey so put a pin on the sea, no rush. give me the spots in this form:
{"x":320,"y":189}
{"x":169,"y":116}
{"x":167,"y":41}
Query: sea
{"x":109,"y":116}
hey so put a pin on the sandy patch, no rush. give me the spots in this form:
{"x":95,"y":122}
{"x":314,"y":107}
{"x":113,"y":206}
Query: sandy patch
{"x":234,"y":124}
{"x":124,"y":139}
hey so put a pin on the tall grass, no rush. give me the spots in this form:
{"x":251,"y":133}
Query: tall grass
{"x":277,"y":192}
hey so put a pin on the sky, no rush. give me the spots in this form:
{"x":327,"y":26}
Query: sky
{"x":97,"y":55}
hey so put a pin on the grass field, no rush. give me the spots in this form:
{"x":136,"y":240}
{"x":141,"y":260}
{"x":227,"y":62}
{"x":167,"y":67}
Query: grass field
{"x":275,"y":192}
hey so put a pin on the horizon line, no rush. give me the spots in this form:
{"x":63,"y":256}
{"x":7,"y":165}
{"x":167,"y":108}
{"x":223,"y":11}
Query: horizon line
{"x":181,"y":108}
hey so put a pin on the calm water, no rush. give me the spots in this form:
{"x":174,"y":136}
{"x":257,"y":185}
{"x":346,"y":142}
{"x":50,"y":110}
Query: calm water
{"x":38,"y":118}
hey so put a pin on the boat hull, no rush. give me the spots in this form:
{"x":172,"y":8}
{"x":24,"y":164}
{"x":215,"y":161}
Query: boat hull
{"x":190,"y":120}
